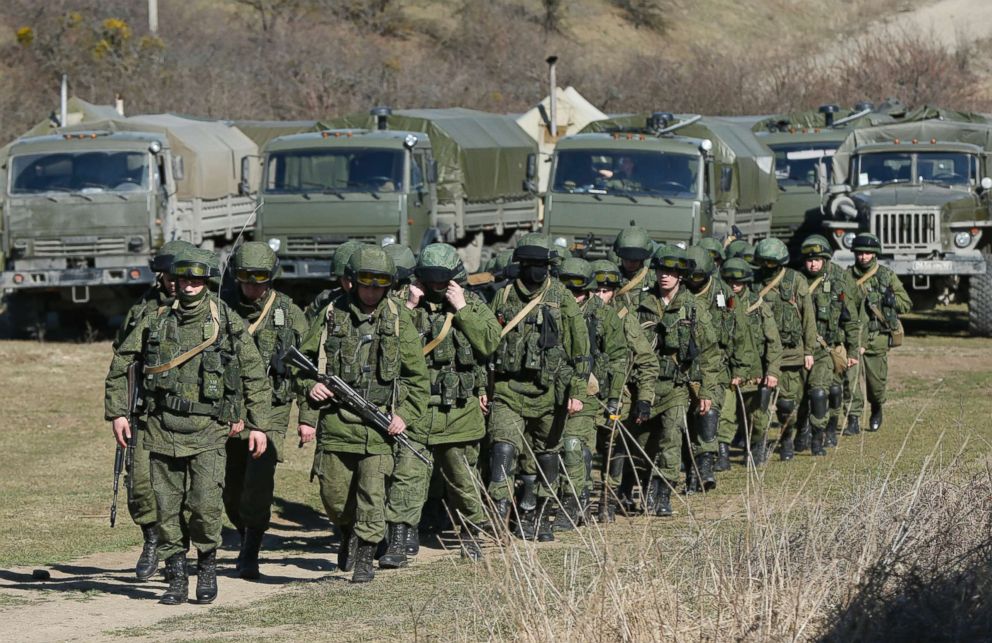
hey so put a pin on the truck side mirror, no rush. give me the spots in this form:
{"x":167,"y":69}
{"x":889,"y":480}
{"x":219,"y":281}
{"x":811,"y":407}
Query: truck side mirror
{"x":432,"y":171}
{"x":531,"y":166}
{"x":244,"y":185}
{"x":726,"y":178}
{"x":821,"y":177}
{"x":178,"y":169}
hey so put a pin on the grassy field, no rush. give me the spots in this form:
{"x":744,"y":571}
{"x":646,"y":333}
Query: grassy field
{"x":781,"y":553}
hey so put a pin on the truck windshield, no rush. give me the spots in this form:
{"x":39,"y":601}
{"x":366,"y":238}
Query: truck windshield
{"x":796,"y":163}
{"x":947,"y":168}
{"x":89,"y":172}
{"x":335,"y":171}
{"x":626,"y":172}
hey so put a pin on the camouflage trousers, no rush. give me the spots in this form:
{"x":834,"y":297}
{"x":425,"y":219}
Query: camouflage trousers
{"x":728,"y":417}
{"x":140,"y":497}
{"x":757,"y":418}
{"x":353,"y":490}
{"x":873,"y":368}
{"x":249,"y":484}
{"x":661,"y":438}
{"x":411,"y":481}
{"x":193,"y":484}
{"x":579,"y":434}
{"x":821,"y":377}
{"x":791,"y":388}
{"x":538,"y":435}
{"x":697,"y":445}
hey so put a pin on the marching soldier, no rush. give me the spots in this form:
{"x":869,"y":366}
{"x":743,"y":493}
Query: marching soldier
{"x":339,"y":279}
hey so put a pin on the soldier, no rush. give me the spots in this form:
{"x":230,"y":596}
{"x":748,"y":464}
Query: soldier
{"x":275,"y":324}
{"x":715,"y":248}
{"x":787,"y":292}
{"x":633,"y":248}
{"x":879,"y":298}
{"x":405,"y":262}
{"x":642,"y":373}
{"x":754,"y":355}
{"x":371,"y":343}
{"x":741,"y":249}
{"x":541,"y":364}
{"x":141,"y":499}
{"x":683,"y":335}
{"x":459,"y":334}
{"x":831,"y":290}
{"x":711,"y":293}
{"x":203,"y":383}
{"x":339,"y":280}
{"x":609,"y":370}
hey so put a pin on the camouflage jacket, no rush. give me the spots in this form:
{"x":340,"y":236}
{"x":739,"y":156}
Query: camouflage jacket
{"x":794,"y":315}
{"x":755,"y":350}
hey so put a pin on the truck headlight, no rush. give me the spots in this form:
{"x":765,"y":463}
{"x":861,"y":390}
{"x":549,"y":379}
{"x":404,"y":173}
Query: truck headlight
{"x":388,"y":240}
{"x":848,"y":240}
{"x":275,"y":244}
{"x":962,"y":239}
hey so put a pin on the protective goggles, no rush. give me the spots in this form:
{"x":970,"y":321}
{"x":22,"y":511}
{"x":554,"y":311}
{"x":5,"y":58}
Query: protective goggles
{"x":607,"y":279}
{"x":769,"y":263}
{"x":815,"y":249}
{"x":374,"y":279}
{"x":574,"y":281}
{"x":669,"y":263}
{"x":736,"y":275}
{"x":189,"y":269}
{"x":253,"y":276}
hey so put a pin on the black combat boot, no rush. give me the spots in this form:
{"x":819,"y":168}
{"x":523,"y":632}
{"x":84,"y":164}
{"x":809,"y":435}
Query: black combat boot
{"x":759,"y":453}
{"x":692,"y":482}
{"x":663,"y":508}
{"x":816,"y":443}
{"x":723,"y":457}
{"x":830,"y":435}
{"x":241,"y":550}
{"x":250,"y":547}
{"x":786,"y":448}
{"x":853,"y":425}
{"x":178,"y":592}
{"x":650,"y":500}
{"x":148,"y":560}
{"x":572,"y":508}
{"x":803,"y":438}
{"x":469,"y":542}
{"x":547,"y":509}
{"x":875,"y":421}
{"x":499,"y":519}
{"x":412,"y":540}
{"x":395,"y":556}
{"x":706,"y":474}
{"x":525,"y":526}
{"x":364,"y":555}
{"x":346,"y":549}
{"x":206,"y":578}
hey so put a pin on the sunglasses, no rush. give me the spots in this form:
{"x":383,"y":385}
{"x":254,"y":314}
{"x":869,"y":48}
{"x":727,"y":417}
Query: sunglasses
{"x":607,"y":278}
{"x":374,"y":279}
{"x":253,"y":276}
{"x":191,"y":270}
{"x":573,"y":281}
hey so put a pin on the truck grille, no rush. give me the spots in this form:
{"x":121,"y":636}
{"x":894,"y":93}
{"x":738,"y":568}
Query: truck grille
{"x":316,"y":246}
{"x":80,"y":247}
{"x":903,"y":230}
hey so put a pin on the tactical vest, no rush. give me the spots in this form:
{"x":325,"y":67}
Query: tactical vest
{"x":676,"y":340}
{"x":783,"y":300}
{"x":874,"y":291}
{"x":374,"y":372}
{"x":209,"y":383}
{"x":273,"y":338}
{"x":750,"y":348}
{"x":593,"y":312}
{"x":452,"y":364}
{"x":717,"y":297}
{"x":828,"y":303}
{"x":533,"y":351}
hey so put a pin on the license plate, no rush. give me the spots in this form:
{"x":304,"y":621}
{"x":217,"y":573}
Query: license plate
{"x":932,"y":266}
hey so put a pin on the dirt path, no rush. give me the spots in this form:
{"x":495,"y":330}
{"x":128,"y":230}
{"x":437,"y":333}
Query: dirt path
{"x":91,"y":597}
{"x":951,"y":21}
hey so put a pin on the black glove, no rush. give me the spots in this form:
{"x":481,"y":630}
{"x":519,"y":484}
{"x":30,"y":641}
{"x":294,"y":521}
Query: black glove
{"x":612,"y":406}
{"x":642,"y":411}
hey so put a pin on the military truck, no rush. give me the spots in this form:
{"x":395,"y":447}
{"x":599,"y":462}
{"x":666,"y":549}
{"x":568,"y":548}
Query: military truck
{"x":85,"y":208}
{"x":924,"y":189}
{"x":411,"y":176}
{"x":681,"y":178}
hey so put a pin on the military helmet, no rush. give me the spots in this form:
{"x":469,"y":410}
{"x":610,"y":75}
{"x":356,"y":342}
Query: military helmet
{"x":535,"y":247}
{"x":700,"y":262}
{"x":633,"y":244}
{"x":371,"y":266}
{"x":254,"y":262}
{"x":866,"y":242}
{"x":162,"y":262}
{"x":740,"y":248}
{"x":605,"y":274}
{"x":714,"y":247}
{"x":670,"y":256}
{"x":501,"y":265}
{"x":736,"y":269}
{"x":195,"y":262}
{"x":575,"y":273}
{"x":817,"y":246}
{"x":439,"y":263}
{"x":771,"y":249}
{"x":339,"y":263}
{"x":560,"y":245}
{"x":402,"y":258}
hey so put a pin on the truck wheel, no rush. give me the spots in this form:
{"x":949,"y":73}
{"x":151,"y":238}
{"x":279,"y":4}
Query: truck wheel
{"x":980,"y":304}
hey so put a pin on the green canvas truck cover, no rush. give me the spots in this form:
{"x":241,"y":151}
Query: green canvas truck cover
{"x":261,"y":132}
{"x":479,"y":155}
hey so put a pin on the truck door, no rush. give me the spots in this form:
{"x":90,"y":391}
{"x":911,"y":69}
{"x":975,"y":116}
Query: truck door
{"x":420,"y":201}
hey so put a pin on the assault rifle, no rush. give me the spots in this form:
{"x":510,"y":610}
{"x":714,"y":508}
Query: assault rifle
{"x":350,"y":398}
{"x":124,"y":457}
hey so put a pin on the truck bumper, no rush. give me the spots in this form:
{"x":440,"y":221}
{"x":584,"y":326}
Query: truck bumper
{"x":949,"y":265}
{"x":305,"y":268}
{"x":38,"y":279}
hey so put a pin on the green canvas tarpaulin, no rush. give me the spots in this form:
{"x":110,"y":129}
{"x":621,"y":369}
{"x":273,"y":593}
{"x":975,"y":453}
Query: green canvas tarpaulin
{"x":479,"y":155}
{"x":261,"y":132}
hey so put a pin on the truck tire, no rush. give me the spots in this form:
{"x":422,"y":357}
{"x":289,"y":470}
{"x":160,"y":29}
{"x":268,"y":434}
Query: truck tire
{"x":980,"y":303}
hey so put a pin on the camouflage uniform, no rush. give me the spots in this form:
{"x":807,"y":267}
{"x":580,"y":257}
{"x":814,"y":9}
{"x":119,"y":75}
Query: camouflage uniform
{"x":883,"y":296}
{"x":379,"y":355}
{"x":339,"y":264}
{"x":405,"y":262}
{"x":460,"y":343}
{"x":191,"y":406}
{"x":275,"y":324}
{"x":540,"y":363}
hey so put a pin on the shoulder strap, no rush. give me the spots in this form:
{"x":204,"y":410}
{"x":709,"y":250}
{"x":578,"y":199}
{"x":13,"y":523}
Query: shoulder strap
{"x":868,"y":275}
{"x":391,"y":305}
{"x":445,"y":329}
{"x":265,"y":313}
{"x":767,"y":289}
{"x":321,"y":347}
{"x":531,"y":305}
{"x":633,"y":283}
{"x":623,"y":312}
{"x":193,"y":352}
{"x":816,"y":284}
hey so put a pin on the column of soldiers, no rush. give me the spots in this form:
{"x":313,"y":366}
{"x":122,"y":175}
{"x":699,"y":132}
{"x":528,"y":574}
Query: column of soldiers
{"x":497,"y":398}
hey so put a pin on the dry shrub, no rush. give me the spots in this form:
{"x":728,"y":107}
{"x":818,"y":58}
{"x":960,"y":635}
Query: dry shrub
{"x":895,"y":559}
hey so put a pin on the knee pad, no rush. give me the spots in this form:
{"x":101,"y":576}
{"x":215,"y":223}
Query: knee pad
{"x":572,"y":445}
{"x":836,"y":396}
{"x":818,"y":402}
{"x":572,"y":453}
{"x":764,"y":397}
{"x":587,"y":460}
{"x":618,"y":459}
{"x":708,"y":425}
{"x":502,"y":461}
{"x":547,"y":463}
{"x":784,"y":409}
